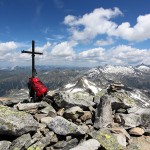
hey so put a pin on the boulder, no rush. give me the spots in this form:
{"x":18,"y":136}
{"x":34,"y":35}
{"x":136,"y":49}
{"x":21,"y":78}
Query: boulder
{"x":68,"y":100}
{"x":121,"y":139}
{"x":71,"y":143}
{"x":106,"y":139}
{"x":103,"y":116}
{"x":130,"y":120}
{"x":28,"y":106}
{"x":136,"y":131}
{"x":42,"y":143}
{"x":61,"y":111}
{"x":49,"y":110}
{"x":144,"y":113}
{"x":4,"y":145}
{"x":87,"y":115}
{"x":13,"y":122}
{"x":23,"y":141}
{"x":121,"y":100}
{"x":139,"y":143}
{"x":118,"y":130}
{"x":46,"y":120}
{"x":73,"y":113}
{"x":62,"y":126}
{"x":90,"y":144}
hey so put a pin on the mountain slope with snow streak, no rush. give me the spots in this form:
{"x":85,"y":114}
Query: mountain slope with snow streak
{"x":82,"y":84}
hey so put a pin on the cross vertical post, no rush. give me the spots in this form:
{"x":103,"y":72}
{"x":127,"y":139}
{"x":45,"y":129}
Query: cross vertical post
{"x":33,"y":57}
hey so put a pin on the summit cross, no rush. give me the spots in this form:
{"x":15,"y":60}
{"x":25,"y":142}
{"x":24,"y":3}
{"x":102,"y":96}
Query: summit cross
{"x":33,"y":53}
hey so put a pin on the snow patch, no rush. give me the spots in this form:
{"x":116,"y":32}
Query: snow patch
{"x":137,"y":96}
{"x":118,"y":69}
{"x":92,"y":86}
{"x":70,"y":85}
{"x":143,"y":68}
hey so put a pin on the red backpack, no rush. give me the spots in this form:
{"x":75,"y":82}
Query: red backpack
{"x":37,"y":86}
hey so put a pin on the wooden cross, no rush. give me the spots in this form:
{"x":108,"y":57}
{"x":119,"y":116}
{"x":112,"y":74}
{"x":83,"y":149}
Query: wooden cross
{"x":33,"y":57}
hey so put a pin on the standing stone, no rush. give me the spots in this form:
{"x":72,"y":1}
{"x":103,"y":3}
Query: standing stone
{"x":103,"y":116}
{"x":13,"y":122}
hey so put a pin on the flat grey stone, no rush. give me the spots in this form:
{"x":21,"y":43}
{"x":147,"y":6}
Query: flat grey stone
{"x":62,"y":126}
{"x":13,"y":122}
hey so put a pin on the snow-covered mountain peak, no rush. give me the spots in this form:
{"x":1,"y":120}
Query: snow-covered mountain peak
{"x":82,"y":84}
{"x":143,"y":68}
{"x":118,"y":69}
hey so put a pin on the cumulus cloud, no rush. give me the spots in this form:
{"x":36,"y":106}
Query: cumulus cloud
{"x":63,"y":49}
{"x":139,"y":32}
{"x":124,"y":54}
{"x":8,"y":46}
{"x":119,"y":55}
{"x":90,"y":25}
{"x":65,"y":53}
{"x":99,"y":22}
{"x":108,"y":41}
{"x":91,"y":54}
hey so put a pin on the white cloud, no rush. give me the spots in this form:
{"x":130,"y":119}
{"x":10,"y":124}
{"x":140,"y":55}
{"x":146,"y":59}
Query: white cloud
{"x":92,"y":54}
{"x":65,"y":53}
{"x":8,"y":46}
{"x":63,"y":49}
{"x":125,"y":55}
{"x":90,"y":25}
{"x":99,"y":22}
{"x":108,"y":41}
{"x":139,"y":32}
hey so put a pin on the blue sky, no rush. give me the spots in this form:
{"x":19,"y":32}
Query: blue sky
{"x":75,"y":32}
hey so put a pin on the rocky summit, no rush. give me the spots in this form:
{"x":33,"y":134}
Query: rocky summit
{"x":80,"y":116}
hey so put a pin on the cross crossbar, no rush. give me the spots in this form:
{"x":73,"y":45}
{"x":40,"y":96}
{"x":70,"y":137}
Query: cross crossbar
{"x":33,"y":55}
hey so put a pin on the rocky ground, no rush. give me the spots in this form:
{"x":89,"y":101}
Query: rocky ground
{"x":108,"y":119}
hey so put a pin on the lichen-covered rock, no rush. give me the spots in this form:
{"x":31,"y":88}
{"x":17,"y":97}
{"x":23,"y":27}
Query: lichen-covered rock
{"x":103,"y":116}
{"x":90,"y":144}
{"x":23,"y":141}
{"x":13,"y":122}
{"x":67,"y":100}
{"x":4,"y":145}
{"x":62,"y":126}
{"x":106,"y":140}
